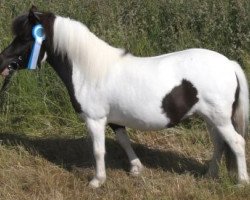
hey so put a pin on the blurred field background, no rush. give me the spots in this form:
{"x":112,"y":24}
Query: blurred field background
{"x":45,"y":152}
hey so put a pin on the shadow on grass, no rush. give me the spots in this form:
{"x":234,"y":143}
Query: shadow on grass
{"x":78,"y":152}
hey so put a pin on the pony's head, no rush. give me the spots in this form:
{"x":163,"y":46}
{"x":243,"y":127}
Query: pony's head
{"x":17,"y":54}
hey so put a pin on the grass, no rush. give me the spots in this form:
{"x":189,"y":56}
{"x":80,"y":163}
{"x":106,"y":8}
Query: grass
{"x":60,"y":168}
{"x":45,"y":152}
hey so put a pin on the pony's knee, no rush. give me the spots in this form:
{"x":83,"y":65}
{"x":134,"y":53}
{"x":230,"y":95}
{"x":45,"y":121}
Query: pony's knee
{"x":99,"y":153}
{"x":231,"y":137}
{"x":241,"y":140}
{"x":239,"y":145}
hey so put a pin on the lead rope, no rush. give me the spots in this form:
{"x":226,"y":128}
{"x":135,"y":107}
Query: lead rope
{"x":12,"y":69}
{"x":6,"y":82}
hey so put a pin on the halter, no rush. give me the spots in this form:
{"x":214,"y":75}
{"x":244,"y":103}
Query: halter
{"x":39,"y":36}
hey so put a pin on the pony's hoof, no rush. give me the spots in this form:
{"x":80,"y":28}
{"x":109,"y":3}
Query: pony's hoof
{"x":96,"y":183}
{"x":136,"y":168}
{"x":243,"y":182}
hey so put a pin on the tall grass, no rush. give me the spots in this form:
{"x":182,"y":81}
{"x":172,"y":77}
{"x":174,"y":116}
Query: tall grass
{"x":37,"y":101}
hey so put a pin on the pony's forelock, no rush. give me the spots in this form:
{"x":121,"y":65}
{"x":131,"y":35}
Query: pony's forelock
{"x":21,"y":26}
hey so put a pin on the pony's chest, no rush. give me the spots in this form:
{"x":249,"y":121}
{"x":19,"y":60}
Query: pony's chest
{"x":91,"y":99}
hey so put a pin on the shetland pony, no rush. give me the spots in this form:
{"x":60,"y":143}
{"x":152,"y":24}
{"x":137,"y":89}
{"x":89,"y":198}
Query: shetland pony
{"x":108,"y":86}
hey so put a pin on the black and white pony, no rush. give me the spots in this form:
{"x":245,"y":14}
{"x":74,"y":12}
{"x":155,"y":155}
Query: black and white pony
{"x":108,"y":86}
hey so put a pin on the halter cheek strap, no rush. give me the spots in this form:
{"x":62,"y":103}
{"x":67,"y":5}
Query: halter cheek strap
{"x":39,"y":36}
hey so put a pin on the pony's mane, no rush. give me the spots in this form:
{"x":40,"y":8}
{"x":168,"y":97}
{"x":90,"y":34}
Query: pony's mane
{"x":86,"y":51}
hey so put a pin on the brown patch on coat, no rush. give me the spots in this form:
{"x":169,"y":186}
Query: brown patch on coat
{"x":179,"y":101}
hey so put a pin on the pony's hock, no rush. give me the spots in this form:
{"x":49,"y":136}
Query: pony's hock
{"x":107,"y":86}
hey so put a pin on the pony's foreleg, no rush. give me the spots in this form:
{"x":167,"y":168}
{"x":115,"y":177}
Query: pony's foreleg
{"x":219,"y":146}
{"x":96,"y":130}
{"x":123,"y":139}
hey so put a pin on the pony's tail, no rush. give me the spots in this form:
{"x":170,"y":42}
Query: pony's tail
{"x":240,"y":114}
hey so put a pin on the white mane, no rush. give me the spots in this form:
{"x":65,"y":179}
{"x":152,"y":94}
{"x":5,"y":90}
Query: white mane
{"x":86,"y":51}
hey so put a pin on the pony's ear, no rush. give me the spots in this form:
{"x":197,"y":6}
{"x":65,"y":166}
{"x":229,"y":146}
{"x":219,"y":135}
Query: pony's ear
{"x":33,"y":8}
{"x":33,"y":15}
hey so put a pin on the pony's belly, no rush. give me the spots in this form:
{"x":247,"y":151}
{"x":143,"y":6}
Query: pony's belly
{"x":144,"y":122}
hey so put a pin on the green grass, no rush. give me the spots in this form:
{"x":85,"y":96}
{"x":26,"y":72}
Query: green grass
{"x":143,"y":27}
{"x":45,"y":152}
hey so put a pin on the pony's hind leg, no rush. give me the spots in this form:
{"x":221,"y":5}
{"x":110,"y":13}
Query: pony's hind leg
{"x":219,"y":146}
{"x":237,"y":144}
{"x":123,"y":139}
{"x":96,"y":130}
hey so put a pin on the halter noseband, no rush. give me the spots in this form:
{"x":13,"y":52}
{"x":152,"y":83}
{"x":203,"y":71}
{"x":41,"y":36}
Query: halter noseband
{"x":15,"y":65}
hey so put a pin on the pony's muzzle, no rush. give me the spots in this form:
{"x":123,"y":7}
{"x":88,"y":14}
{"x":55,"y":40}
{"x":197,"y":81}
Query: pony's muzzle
{"x":9,"y":65}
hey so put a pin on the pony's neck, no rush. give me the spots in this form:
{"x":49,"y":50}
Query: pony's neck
{"x":87,"y":52}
